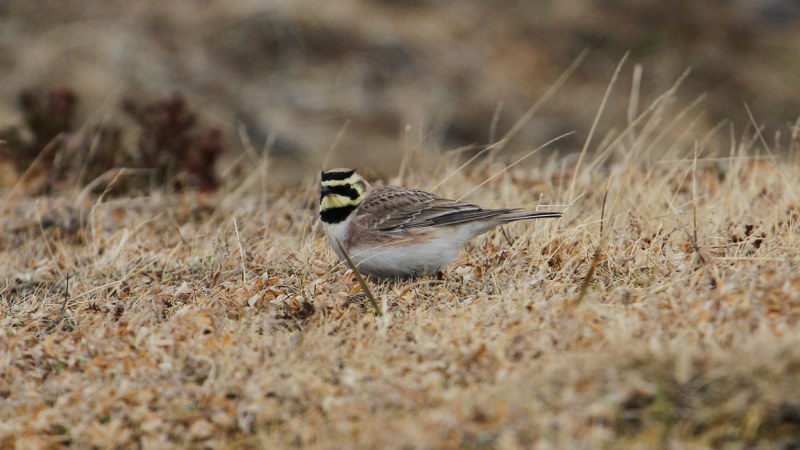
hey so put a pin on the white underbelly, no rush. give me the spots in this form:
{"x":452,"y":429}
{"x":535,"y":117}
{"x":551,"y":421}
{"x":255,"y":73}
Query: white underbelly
{"x":438,"y":249}
{"x":405,"y":260}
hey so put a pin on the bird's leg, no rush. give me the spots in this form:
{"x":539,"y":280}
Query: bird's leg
{"x":355,"y":299}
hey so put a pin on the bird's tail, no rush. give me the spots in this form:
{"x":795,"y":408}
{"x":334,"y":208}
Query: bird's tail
{"x":524,"y":215}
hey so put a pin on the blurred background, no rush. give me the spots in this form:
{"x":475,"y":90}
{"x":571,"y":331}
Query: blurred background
{"x":197,"y":82}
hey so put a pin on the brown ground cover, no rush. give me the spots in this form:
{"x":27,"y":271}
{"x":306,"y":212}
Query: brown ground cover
{"x":662,"y":311}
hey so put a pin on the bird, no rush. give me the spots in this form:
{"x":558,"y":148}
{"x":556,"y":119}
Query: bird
{"x":399,"y":232}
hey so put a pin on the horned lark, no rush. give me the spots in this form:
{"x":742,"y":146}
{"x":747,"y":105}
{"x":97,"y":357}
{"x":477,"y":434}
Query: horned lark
{"x":393,"y":231}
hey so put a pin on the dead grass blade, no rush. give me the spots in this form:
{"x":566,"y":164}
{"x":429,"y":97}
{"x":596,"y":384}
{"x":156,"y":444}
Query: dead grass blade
{"x":361,"y":281}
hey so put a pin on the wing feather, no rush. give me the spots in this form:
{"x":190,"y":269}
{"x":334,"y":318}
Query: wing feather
{"x":391,"y":208}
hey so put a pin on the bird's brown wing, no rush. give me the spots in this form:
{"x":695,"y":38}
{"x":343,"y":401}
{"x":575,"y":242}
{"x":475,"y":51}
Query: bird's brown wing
{"x":392,"y":208}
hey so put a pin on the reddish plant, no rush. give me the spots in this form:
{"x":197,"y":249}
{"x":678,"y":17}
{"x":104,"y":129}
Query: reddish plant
{"x":173,"y":142}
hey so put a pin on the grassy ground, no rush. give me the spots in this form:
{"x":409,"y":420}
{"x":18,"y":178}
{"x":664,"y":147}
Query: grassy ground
{"x":662,"y":311}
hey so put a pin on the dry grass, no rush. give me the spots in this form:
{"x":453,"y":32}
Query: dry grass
{"x":216,"y":320}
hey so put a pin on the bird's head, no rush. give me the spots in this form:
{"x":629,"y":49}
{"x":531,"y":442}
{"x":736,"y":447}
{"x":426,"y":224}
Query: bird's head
{"x":342,"y":190}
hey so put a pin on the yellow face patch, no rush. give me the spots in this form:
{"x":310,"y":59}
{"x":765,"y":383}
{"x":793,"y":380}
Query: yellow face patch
{"x":337,"y":201}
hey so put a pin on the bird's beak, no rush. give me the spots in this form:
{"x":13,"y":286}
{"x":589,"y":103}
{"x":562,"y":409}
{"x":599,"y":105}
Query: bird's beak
{"x":325,"y":191}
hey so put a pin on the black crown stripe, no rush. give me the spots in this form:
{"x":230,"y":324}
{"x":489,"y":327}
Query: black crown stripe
{"x":335,"y":176}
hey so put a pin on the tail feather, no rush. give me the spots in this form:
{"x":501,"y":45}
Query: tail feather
{"x":530,"y":215}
